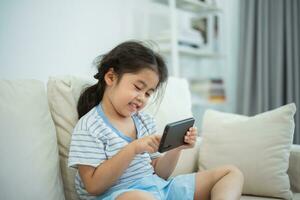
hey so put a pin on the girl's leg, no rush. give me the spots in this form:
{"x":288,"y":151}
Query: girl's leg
{"x":222,"y":183}
{"x":136,"y":194}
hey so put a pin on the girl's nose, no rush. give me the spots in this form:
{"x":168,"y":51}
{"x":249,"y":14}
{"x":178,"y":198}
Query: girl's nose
{"x":141,"y":97}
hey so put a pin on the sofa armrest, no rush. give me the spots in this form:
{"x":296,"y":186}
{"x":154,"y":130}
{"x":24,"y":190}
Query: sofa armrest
{"x":294,"y":168}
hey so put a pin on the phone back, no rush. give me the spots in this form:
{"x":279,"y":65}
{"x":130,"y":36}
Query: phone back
{"x":174,"y":133}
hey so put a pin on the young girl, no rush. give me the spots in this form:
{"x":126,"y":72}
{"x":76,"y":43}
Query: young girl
{"x":114,"y":145}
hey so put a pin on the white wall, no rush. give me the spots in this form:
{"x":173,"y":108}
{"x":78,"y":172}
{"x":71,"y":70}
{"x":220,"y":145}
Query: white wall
{"x":43,"y":38}
{"x":39,"y":39}
{"x":231,"y":45}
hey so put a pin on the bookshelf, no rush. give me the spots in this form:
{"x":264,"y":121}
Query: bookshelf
{"x":198,"y":44}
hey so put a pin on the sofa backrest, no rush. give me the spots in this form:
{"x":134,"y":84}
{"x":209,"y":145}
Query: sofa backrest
{"x":63,"y":94}
{"x":28,"y":146}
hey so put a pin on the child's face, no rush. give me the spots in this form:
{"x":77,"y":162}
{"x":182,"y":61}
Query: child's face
{"x":133,"y":91}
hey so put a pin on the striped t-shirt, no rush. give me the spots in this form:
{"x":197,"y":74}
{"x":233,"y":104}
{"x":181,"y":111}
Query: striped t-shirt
{"x":95,"y":140}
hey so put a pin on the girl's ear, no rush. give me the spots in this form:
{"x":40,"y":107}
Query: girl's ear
{"x":110,"y":77}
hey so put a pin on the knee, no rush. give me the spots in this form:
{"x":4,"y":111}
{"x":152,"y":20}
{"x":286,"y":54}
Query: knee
{"x":234,"y":170}
{"x":137,"y":194}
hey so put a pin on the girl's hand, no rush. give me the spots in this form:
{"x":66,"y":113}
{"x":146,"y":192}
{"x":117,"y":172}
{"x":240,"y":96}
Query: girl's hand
{"x":147,"y":144}
{"x":190,"y":138}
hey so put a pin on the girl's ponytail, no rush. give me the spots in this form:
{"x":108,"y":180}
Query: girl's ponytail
{"x":89,"y":99}
{"x":93,"y":95}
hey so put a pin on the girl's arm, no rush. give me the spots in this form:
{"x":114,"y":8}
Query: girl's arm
{"x":165,"y":165}
{"x":97,"y":180}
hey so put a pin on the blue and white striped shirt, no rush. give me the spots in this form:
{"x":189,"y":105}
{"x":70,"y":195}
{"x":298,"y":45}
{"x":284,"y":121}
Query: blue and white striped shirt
{"x":95,"y":140}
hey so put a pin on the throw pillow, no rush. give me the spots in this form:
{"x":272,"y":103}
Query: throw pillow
{"x":174,"y":105}
{"x":259,"y":146}
{"x":63,"y":94}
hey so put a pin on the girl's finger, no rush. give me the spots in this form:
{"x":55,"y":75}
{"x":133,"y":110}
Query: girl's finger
{"x":154,"y":144}
{"x":191,"y":134}
{"x":194,"y":133}
{"x":186,"y":138}
{"x":193,"y":137}
{"x":153,"y":140}
{"x":189,"y":141}
{"x":157,"y":138}
{"x":194,"y":129}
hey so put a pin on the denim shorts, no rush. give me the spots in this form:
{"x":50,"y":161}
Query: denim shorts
{"x":179,"y":187}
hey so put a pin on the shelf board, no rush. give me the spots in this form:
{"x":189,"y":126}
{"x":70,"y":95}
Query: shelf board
{"x":206,"y":103}
{"x":192,"y":5}
{"x":193,"y":52}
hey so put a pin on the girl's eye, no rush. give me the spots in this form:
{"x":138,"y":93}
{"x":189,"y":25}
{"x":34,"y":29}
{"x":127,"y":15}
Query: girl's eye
{"x":136,"y":87}
{"x":148,"y":94}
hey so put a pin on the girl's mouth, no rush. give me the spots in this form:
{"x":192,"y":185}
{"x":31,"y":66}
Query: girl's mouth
{"x":134,"y":107}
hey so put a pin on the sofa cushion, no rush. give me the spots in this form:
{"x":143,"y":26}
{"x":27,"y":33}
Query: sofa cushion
{"x":28,"y":146}
{"x":63,"y":94}
{"x":259,"y":145}
{"x":174,"y":105}
{"x":245,"y":197}
{"x":294,"y":168}
{"x":188,"y":160}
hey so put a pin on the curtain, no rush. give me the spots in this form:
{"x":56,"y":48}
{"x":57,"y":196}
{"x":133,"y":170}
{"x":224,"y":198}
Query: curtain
{"x":269,"y":73}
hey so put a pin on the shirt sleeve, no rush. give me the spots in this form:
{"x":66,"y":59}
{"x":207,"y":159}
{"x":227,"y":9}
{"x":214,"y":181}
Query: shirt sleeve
{"x":85,"y":149}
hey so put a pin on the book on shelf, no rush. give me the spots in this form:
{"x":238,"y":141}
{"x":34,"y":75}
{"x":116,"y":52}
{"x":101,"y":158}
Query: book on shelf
{"x":200,"y":26}
{"x":186,"y":38}
{"x":217,"y":91}
{"x":210,"y":2}
{"x":210,"y":90}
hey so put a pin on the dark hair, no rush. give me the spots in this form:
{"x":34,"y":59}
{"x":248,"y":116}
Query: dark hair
{"x":127,"y":57}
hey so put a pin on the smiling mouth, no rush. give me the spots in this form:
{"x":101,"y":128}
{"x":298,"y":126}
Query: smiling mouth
{"x":134,"y":106}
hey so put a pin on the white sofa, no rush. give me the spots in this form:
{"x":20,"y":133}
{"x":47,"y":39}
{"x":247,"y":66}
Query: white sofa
{"x":36,"y":126}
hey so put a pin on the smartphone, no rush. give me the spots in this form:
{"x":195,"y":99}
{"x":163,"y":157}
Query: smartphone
{"x":173,"y":135}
